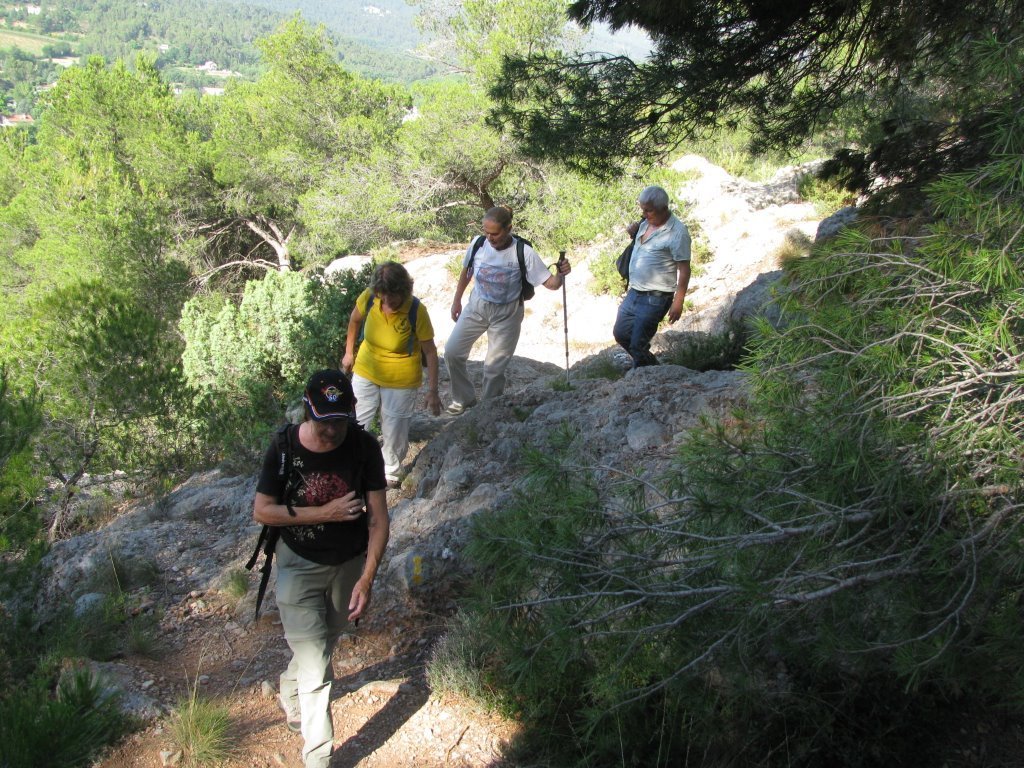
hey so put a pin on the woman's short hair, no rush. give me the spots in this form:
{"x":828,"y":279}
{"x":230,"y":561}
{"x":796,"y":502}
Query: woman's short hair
{"x":391,"y":278}
{"x":500,"y":215}
{"x":654,"y":196}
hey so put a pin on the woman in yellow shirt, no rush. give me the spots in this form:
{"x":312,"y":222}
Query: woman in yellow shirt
{"x":387,"y":371}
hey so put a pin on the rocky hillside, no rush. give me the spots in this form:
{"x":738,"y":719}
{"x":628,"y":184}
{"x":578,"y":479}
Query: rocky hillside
{"x":202,"y":532}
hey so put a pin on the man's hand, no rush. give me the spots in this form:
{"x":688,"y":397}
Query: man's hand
{"x":347,"y":361}
{"x":676,"y":310}
{"x":456,"y":309}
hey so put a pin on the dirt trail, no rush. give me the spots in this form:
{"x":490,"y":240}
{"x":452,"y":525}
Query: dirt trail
{"x":384,"y":711}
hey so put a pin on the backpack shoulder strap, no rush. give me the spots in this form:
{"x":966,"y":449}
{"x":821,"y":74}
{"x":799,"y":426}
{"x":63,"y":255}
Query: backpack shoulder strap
{"x":269,"y":534}
{"x":477,"y":245}
{"x":521,"y":255}
{"x":414,"y":311}
{"x":366,"y":315}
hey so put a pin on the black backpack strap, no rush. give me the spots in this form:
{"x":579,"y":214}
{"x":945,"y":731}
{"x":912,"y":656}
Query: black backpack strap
{"x":268,"y":538}
{"x":477,"y":245}
{"x":269,"y":534}
{"x":526,"y":290}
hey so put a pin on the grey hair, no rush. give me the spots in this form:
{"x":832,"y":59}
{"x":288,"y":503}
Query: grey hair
{"x":500,"y":215}
{"x":655,"y":196}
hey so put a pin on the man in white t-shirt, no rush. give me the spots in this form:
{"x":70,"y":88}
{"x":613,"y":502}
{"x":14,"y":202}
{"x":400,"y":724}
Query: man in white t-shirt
{"x":495,"y":306}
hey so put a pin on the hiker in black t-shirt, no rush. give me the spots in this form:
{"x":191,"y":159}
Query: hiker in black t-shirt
{"x":334,"y":528}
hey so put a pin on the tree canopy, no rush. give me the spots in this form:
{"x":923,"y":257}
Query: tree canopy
{"x":790,"y":68}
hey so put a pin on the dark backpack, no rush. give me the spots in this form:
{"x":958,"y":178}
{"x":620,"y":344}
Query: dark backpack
{"x":413,"y":314}
{"x":269,"y":534}
{"x":527,"y":291}
{"x":622,"y":262}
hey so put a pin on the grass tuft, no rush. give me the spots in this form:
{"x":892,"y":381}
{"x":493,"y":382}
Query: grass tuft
{"x":236,"y":585}
{"x":200,"y":729}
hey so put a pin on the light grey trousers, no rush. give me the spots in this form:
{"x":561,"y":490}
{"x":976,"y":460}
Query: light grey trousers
{"x":397,"y":407}
{"x":501,"y":323}
{"x":313,"y":601}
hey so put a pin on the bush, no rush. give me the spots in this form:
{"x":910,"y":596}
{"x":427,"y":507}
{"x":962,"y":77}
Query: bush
{"x":69,"y":729}
{"x":606,"y":278}
{"x":247,"y":361}
{"x":707,"y":352}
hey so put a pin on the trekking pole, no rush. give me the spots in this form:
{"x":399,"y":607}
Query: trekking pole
{"x":565,"y":320}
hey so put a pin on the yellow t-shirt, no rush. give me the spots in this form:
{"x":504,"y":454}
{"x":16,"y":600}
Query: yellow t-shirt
{"x":383,"y":356}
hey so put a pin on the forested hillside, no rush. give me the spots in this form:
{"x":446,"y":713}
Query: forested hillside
{"x":828,"y":576}
{"x":183,"y":35}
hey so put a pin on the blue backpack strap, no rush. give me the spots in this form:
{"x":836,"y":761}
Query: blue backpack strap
{"x":413,"y":314}
{"x":362,"y":328}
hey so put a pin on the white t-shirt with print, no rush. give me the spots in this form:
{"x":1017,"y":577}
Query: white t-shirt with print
{"x":496,"y":273}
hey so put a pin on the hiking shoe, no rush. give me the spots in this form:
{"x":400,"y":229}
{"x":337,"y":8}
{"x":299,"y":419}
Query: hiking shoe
{"x":455,"y":409}
{"x":291,"y":719}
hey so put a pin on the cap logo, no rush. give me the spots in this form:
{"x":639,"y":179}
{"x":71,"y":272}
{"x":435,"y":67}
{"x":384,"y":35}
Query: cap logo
{"x":332,"y":393}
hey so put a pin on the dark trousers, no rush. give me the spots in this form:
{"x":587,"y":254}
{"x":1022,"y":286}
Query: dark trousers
{"x":637,"y":322}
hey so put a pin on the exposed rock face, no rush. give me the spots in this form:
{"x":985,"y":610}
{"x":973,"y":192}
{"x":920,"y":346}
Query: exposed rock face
{"x":629,"y":425}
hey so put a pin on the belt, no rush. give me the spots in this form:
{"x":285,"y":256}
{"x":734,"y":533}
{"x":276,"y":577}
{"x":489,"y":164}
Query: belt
{"x":653,"y":293}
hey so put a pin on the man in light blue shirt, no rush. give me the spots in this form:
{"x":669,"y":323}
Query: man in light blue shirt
{"x":659,"y":273}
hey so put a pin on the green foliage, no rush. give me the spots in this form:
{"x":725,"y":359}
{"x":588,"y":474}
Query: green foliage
{"x":827,"y":577}
{"x":605,"y":277}
{"x":708,"y":352}
{"x":19,"y":483}
{"x":290,"y":149}
{"x":236,"y":585}
{"x":789,"y":74}
{"x":106,"y":363}
{"x":562,"y":209}
{"x":201,"y":729}
{"x":246,"y":362}
{"x":475,"y":36}
{"x":68,"y":729}
{"x":112,"y":163}
{"x":827,"y":196}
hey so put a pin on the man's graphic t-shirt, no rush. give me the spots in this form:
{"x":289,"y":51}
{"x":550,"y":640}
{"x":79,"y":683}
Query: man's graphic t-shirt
{"x":316,"y":478}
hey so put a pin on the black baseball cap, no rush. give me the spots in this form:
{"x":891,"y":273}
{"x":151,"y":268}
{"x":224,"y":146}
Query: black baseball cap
{"x":329,"y":395}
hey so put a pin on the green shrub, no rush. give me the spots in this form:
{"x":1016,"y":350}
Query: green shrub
{"x":457,"y":665}
{"x":707,"y":352}
{"x":606,"y":278}
{"x":601,"y":367}
{"x":236,"y":584}
{"x":827,"y":196}
{"x":69,"y":729}
{"x":563,"y":209}
{"x":117,"y":574}
{"x":247,"y":361}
